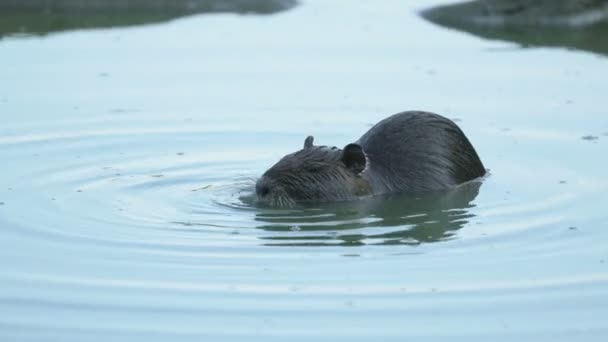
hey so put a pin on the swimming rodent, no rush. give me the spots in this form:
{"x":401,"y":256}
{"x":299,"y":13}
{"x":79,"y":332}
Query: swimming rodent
{"x":412,"y":151}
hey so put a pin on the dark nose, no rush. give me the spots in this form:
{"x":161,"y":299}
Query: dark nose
{"x":262,"y":188}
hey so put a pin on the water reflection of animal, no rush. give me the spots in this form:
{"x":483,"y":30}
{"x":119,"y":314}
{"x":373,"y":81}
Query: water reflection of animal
{"x":407,"y":152}
{"x":398,"y":219}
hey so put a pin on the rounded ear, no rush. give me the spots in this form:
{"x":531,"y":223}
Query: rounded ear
{"x":354,"y":158}
{"x":308,"y":141}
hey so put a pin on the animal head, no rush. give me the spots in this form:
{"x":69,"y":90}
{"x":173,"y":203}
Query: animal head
{"x":315,"y":174}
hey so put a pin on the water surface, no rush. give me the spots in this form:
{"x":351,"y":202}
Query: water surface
{"x":130,"y":156}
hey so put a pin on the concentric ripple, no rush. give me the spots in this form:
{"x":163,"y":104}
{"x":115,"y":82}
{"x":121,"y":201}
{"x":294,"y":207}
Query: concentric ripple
{"x":118,"y":235}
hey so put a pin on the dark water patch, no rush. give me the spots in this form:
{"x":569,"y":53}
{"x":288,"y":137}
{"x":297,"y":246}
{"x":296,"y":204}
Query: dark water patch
{"x":563,"y":23}
{"x":40,"y":17}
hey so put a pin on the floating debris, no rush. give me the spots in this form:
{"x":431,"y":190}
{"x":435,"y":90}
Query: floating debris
{"x":590,"y":137}
{"x":203,"y":188}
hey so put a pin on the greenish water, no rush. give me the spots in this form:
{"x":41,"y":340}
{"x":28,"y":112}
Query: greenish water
{"x":571,"y":24}
{"x":41,"y":17}
{"x":130,"y":154}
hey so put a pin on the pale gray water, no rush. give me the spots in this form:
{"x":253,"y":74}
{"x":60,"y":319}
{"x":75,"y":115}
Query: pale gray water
{"x":129,"y":158}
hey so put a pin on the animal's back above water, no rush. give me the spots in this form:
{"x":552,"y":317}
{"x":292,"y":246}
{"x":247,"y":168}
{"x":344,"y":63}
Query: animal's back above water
{"x":416,"y":152}
{"x":407,"y":152}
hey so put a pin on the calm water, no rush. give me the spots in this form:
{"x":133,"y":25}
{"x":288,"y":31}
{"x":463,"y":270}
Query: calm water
{"x":129,"y":158}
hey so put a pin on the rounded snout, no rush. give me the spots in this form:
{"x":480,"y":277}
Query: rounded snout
{"x":270,"y":193}
{"x":262,"y":187}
